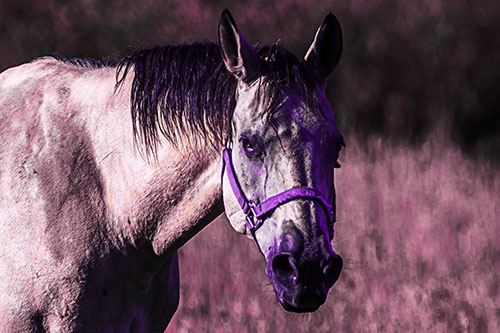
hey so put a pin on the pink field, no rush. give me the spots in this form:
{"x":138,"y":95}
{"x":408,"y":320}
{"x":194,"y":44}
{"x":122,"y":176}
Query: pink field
{"x":418,"y":228}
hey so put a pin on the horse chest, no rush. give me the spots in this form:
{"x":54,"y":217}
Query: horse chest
{"x":130,"y":302}
{"x":112,"y":297}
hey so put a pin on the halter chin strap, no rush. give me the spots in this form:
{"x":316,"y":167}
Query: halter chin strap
{"x":256,"y":213}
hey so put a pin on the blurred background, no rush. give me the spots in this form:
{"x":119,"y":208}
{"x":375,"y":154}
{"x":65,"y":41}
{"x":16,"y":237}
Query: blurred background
{"x":417,"y":97}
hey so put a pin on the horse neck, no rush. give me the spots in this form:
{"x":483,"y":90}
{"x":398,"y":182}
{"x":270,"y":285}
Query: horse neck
{"x":186,"y":198}
{"x":160,"y":202}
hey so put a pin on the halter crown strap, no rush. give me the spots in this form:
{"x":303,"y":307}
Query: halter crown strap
{"x":255,"y":213}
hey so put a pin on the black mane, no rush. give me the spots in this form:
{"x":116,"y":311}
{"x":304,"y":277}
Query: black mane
{"x":179,"y":89}
{"x":86,"y":62}
{"x":185,"y":91}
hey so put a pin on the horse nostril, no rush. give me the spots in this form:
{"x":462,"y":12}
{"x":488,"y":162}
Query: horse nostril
{"x":284,"y":269}
{"x":331,"y":272}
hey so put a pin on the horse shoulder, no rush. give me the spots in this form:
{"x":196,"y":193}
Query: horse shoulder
{"x":52,"y":208}
{"x":49,"y":157}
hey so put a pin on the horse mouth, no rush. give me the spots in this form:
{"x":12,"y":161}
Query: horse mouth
{"x":302,"y":309}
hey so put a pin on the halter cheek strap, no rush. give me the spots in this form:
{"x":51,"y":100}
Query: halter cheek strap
{"x":256,"y":213}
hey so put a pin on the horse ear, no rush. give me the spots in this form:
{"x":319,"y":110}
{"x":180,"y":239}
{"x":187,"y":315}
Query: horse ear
{"x":324,"y":52}
{"x":239,"y":56}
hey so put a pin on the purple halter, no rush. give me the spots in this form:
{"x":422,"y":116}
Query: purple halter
{"x":256,"y":213}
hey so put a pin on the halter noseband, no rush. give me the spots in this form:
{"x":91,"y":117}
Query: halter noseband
{"x":256,"y":213}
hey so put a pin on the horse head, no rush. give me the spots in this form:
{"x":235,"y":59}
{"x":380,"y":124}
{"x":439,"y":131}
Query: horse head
{"x":278,"y":183}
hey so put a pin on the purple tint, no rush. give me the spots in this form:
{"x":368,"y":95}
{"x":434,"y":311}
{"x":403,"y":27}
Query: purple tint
{"x":301,"y":280}
{"x":397,"y":200}
{"x":257,"y":213}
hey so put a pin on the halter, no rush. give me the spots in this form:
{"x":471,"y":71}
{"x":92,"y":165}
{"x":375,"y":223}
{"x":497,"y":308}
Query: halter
{"x":257,"y":213}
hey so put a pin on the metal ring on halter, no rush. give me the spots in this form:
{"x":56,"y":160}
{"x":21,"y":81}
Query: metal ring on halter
{"x":253,"y":222}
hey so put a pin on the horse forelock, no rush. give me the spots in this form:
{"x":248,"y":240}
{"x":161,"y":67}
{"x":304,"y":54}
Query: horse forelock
{"x":285,"y":71}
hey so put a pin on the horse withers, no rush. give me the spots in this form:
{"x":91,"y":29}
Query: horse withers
{"x":108,"y":168}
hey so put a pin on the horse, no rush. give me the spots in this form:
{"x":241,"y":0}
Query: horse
{"x":107,"y":169}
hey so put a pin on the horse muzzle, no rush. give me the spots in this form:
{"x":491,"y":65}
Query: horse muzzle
{"x":301,"y":285}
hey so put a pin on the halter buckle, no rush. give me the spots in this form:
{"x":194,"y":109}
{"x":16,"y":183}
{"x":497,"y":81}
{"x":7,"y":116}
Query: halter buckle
{"x":252,"y":220}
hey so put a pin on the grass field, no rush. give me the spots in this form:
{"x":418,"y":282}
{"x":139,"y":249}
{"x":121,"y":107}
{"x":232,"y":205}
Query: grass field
{"x":419,"y":229}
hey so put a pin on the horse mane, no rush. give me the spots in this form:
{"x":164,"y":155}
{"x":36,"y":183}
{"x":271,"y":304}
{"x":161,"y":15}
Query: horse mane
{"x":185,"y":91}
{"x":179,"y":90}
{"x":85,"y":62}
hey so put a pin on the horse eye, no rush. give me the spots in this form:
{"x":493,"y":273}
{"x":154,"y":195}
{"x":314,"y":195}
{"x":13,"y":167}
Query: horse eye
{"x":247,"y":146}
